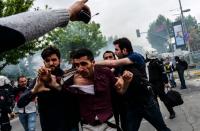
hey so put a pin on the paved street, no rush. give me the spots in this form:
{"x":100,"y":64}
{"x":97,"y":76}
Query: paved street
{"x":16,"y":125}
{"x":187,"y":115}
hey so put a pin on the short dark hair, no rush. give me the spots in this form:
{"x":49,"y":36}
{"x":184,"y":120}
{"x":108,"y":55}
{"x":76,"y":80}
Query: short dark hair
{"x":50,"y":50}
{"x":83,"y":52}
{"x":177,"y":58}
{"x":108,"y":51}
{"x":124,"y":43}
{"x":21,"y":76}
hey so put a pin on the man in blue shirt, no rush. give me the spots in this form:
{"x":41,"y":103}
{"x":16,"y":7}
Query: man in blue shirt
{"x":138,"y":100}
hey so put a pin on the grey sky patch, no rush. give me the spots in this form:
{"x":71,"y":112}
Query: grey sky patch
{"x":123,"y":17}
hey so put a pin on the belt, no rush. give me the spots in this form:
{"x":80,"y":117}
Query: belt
{"x":95,"y":123}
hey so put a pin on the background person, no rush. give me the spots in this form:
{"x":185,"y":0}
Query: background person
{"x":6,"y":103}
{"x":169,"y":69}
{"x":159,"y":80}
{"x":27,"y":114}
{"x":181,"y":66}
{"x":138,"y":100}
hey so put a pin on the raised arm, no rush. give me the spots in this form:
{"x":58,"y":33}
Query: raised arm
{"x":30,"y":25}
{"x":115,"y":63}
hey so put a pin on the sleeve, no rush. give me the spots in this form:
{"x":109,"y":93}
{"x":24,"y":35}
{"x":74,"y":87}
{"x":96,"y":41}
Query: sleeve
{"x":26,"y":97}
{"x":34,"y":24}
{"x":137,"y":58}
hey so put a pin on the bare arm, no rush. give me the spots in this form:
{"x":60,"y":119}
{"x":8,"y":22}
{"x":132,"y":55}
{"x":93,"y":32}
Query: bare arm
{"x":114,"y":63}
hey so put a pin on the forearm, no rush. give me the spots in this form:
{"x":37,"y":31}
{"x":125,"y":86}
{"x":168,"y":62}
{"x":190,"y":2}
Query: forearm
{"x":35,"y":24}
{"x":110,"y":63}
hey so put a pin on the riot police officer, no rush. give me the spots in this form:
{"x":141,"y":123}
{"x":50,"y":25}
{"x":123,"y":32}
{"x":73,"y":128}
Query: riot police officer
{"x":5,"y":103}
{"x":158,"y":79}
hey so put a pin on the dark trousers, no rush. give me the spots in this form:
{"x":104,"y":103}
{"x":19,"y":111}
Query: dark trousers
{"x":182,"y":79}
{"x":150,"y":111}
{"x":158,"y":89}
{"x":4,"y":122}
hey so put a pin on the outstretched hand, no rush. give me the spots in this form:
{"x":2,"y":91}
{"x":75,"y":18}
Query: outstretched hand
{"x":75,"y":9}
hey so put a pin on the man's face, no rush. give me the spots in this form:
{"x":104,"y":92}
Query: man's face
{"x":108,"y":56}
{"x":118,"y":51}
{"x":52,"y":62}
{"x":22,"y":82}
{"x":84,"y":66}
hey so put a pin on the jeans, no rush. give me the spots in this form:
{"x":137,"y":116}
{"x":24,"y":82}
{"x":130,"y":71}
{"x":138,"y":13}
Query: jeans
{"x":150,"y":111}
{"x":171,"y":79}
{"x":28,"y":121}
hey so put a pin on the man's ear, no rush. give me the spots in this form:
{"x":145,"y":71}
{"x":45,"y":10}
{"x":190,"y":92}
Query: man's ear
{"x":124,"y":51}
{"x":93,"y":62}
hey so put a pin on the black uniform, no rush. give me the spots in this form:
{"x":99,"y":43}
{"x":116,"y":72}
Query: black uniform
{"x":158,"y":77}
{"x":6,"y":102}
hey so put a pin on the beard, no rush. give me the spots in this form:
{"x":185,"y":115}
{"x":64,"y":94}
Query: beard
{"x":57,"y":71}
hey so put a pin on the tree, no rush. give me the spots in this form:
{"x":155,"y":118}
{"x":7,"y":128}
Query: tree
{"x":10,"y":7}
{"x":190,"y":22}
{"x":194,"y":40}
{"x":159,"y":33}
{"x":67,"y":39}
{"x":161,"y":30}
{"x":77,"y":35}
{"x":192,"y":28}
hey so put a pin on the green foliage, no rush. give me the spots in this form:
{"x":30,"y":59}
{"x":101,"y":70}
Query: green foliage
{"x":77,"y":35}
{"x":191,"y":22}
{"x":13,"y":56}
{"x":161,"y":30}
{"x":158,"y":33}
{"x":10,"y":7}
{"x":74,"y":36}
{"x":194,"y":39}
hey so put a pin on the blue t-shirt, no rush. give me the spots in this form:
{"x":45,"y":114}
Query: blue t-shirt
{"x":138,"y":61}
{"x":136,"y":58}
{"x":137,"y":92}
